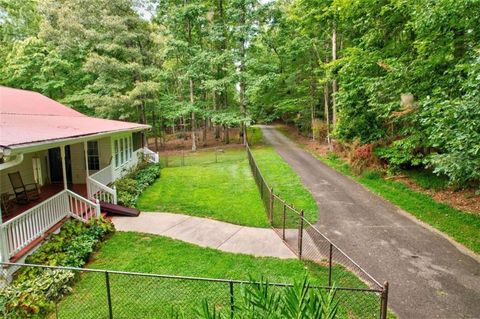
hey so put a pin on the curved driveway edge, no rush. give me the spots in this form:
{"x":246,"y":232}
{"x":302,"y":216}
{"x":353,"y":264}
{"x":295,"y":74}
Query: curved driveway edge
{"x":429,"y":276}
{"x":204,"y":232}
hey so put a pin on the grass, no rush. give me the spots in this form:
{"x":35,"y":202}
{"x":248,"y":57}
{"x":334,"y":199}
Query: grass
{"x":426,"y":179}
{"x":461,"y":226}
{"x":224,"y":190}
{"x":281,"y":177}
{"x":146,"y":297}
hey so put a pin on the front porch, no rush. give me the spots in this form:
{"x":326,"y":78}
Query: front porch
{"x":46,"y":192}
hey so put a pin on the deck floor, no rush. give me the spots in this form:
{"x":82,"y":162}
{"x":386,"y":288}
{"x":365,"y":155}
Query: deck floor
{"x":46,"y":192}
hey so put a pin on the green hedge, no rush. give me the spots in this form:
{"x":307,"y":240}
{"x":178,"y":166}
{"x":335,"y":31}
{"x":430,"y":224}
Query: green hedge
{"x":133,"y":184}
{"x":34,"y":291}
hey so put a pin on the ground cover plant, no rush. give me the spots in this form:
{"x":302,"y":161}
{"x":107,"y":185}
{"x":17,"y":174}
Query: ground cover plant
{"x":146,"y":297}
{"x":224,"y":190}
{"x":134,"y":183}
{"x":34,"y":291}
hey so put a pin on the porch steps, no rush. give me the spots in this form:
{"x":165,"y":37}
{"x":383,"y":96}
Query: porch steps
{"x":114,"y":209}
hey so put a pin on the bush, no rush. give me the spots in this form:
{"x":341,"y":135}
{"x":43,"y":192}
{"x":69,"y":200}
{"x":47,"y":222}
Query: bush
{"x":361,"y":157}
{"x":132,"y":185}
{"x":36,"y":297}
{"x":260,"y":300}
{"x":34,"y":290}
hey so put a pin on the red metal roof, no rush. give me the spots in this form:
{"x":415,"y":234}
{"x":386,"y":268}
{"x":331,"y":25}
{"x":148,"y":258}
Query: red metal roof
{"x":28,"y":117}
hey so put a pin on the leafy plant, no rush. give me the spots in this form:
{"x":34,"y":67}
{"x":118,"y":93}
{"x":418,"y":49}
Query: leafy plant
{"x":35,"y":298}
{"x":133,"y":184}
{"x":263,"y":301}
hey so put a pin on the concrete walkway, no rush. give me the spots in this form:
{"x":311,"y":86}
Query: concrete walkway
{"x":429,"y":276}
{"x":262,"y":242}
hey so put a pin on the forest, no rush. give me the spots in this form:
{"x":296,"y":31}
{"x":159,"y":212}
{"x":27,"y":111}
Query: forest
{"x":397,"y":80}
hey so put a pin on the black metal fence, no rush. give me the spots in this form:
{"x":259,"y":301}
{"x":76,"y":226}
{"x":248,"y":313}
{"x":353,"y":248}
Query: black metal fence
{"x":310,"y":245}
{"x":119,"y":294}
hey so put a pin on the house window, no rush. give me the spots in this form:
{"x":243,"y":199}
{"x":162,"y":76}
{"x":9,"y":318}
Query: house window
{"x":92,"y":155}
{"x":121,"y":151}
{"x":117,"y":159}
{"x":130,"y":145}
{"x":125,"y":142}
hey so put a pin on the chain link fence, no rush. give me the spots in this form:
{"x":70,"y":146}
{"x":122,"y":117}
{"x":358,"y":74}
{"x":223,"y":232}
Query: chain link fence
{"x":205,"y":156}
{"x":98,"y":294}
{"x":310,"y":245}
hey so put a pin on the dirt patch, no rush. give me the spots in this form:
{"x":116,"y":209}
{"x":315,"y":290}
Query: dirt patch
{"x":464,"y":200}
{"x":183,"y":141}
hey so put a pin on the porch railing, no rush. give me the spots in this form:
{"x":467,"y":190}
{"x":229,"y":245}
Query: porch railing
{"x":151,"y":156}
{"x":97,"y":186}
{"x":19,"y":232}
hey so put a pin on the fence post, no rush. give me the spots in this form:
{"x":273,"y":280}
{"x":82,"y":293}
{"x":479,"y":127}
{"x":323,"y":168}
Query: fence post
{"x":270,"y":207}
{"x":261,"y":189}
{"x":232,"y":300}
{"x":284,"y":217}
{"x":183,"y":158}
{"x":300,"y":236}
{"x":109,"y":298}
{"x":384,"y":301}
{"x":216,"y":155}
{"x":330,"y":266}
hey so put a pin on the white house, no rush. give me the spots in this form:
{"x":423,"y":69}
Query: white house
{"x":56,"y":163}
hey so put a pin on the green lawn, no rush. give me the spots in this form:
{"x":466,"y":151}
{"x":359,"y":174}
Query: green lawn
{"x":146,"y":297}
{"x":281,"y":177}
{"x":461,"y":226}
{"x":224,"y":190}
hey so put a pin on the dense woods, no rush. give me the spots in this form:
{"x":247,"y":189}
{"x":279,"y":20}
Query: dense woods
{"x":398,"y":80}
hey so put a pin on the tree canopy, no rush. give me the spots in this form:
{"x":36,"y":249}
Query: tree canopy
{"x":400,"y":75}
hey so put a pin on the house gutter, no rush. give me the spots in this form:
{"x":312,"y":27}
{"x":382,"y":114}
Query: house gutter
{"x":31,"y":147}
{"x":18,"y":159}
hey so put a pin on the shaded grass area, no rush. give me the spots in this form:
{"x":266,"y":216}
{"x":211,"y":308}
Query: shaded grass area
{"x":427,"y":179}
{"x":147,"y":297}
{"x":224,"y":190}
{"x":461,"y":226}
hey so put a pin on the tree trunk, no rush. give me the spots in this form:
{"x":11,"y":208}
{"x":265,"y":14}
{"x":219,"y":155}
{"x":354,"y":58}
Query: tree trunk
{"x":334,"y":83}
{"x":243,"y":107}
{"x":326,"y":110}
{"x":194,"y":137}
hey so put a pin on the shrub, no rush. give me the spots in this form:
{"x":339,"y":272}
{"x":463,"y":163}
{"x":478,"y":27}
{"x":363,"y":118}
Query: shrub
{"x":361,"y":157}
{"x":36,"y":297}
{"x":262,"y":301}
{"x":132,"y":185}
{"x":34,"y":290}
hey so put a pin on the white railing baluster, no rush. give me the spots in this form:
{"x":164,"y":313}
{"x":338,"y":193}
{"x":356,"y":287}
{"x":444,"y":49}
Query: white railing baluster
{"x":25,"y":228}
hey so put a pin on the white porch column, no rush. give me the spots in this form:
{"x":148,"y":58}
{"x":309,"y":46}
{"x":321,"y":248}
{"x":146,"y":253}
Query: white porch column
{"x":4,"y":256}
{"x":85,"y":149}
{"x":64,"y":167}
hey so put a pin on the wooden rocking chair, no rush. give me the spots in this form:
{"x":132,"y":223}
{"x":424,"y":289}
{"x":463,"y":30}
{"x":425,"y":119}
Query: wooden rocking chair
{"x":24,"y":193}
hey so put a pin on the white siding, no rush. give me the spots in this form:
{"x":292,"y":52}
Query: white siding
{"x":77,"y":156}
{"x":26,"y":171}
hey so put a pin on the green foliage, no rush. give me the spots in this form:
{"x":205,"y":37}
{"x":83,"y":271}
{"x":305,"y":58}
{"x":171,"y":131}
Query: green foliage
{"x":35,"y":297}
{"x":260,"y":300}
{"x":34,"y":291}
{"x":133,"y":184}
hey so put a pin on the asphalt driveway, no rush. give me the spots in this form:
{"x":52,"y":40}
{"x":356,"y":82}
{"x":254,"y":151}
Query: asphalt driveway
{"x":429,"y":276}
